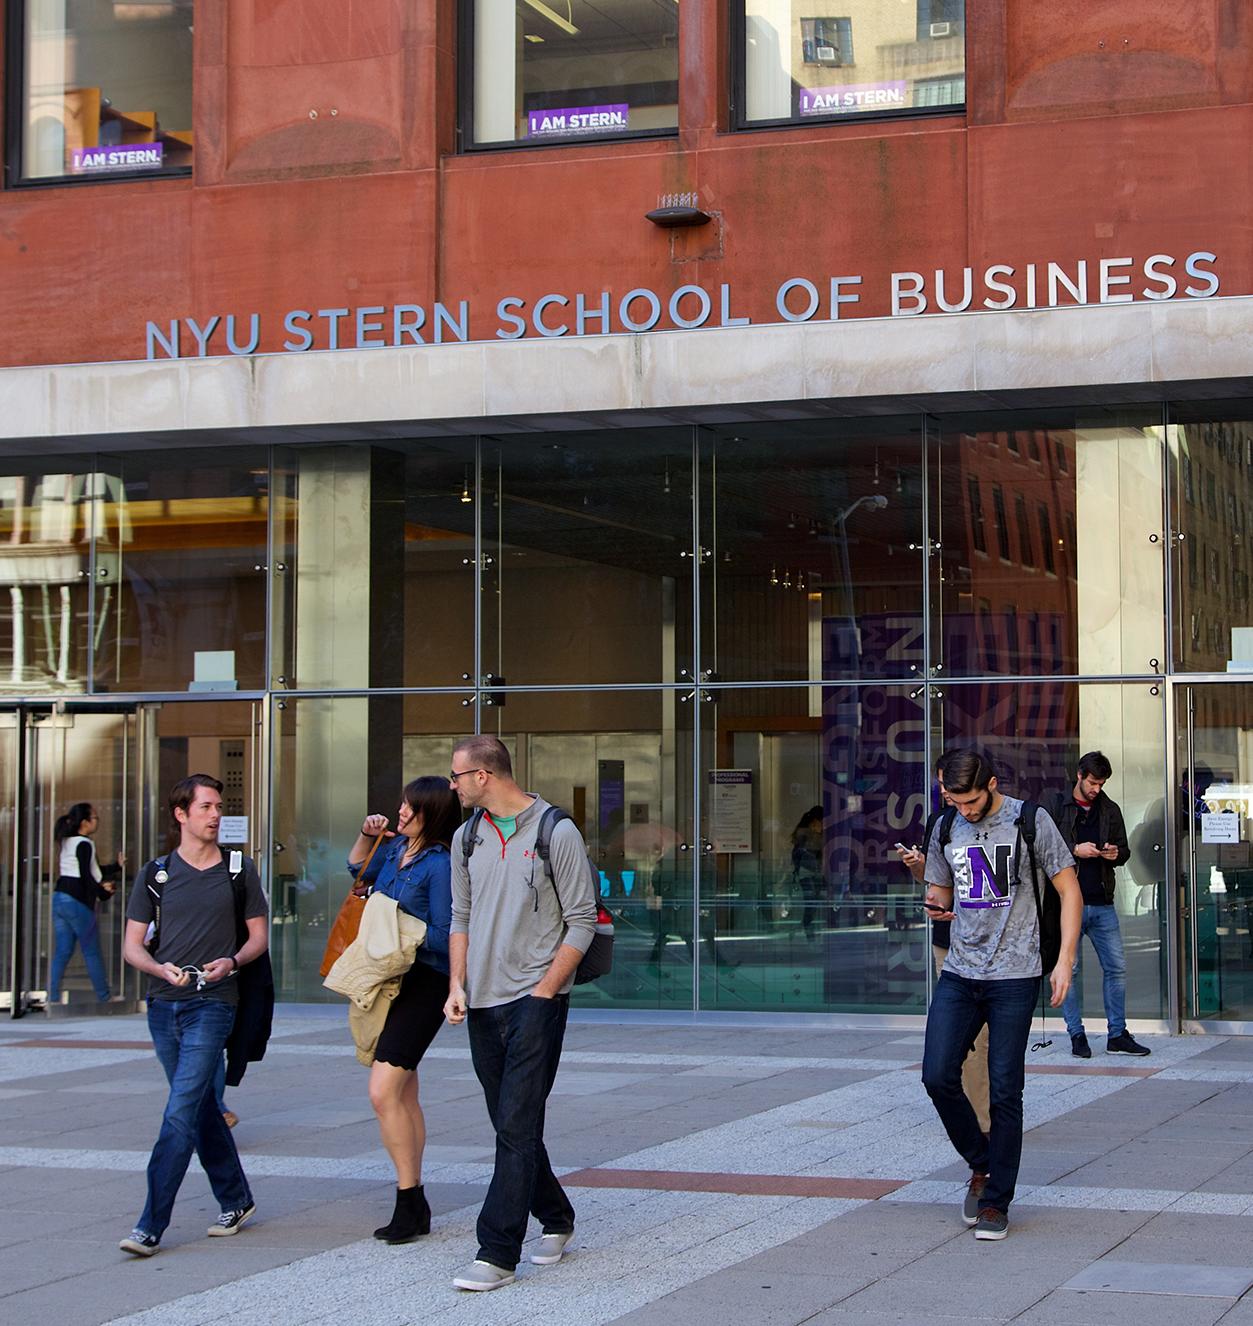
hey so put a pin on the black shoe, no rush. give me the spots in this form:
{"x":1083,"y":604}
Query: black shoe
{"x":139,"y":1244}
{"x":1125,"y":1043}
{"x":974,"y":1198}
{"x":410,"y":1220}
{"x":1079,"y":1047}
{"x":993,"y":1224}
{"x":231,"y":1222}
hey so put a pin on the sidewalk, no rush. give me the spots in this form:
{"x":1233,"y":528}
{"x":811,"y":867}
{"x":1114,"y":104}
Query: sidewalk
{"x":721,"y":1175}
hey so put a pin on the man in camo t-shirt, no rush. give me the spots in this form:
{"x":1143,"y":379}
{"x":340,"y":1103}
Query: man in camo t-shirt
{"x":981,"y":880}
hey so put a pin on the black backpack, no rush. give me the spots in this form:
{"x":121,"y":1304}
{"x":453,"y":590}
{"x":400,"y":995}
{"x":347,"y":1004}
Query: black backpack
{"x":1048,"y":909}
{"x":598,"y":960}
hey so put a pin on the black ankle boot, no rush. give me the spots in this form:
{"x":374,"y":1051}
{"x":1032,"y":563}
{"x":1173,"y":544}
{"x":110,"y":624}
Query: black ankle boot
{"x":411,"y":1218}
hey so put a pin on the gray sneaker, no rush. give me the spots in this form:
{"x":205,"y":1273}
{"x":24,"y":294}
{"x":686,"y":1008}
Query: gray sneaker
{"x":483,"y":1275}
{"x":550,"y":1247}
{"x":974,"y":1198}
{"x":993,"y":1224}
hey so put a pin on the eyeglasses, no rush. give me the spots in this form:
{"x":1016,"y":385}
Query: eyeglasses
{"x":453,"y":775}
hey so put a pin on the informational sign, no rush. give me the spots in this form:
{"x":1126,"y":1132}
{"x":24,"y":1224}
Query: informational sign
{"x":233,"y":829}
{"x":851,"y":97}
{"x":731,"y":809}
{"x":101,"y":160}
{"x":1220,"y":827}
{"x":575,"y":120}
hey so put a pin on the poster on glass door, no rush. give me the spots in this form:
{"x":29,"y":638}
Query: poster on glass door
{"x":731,"y":810}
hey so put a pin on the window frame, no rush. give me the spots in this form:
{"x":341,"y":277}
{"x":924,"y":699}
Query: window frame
{"x":15,"y":119}
{"x":467,"y":144}
{"x":738,"y":86}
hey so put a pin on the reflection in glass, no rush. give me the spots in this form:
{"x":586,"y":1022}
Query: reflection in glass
{"x":107,"y":88}
{"x":567,"y":70}
{"x":813,"y":909}
{"x":1215,"y":802}
{"x":1035,"y":733}
{"x":1072,"y":581}
{"x":376,"y":586}
{"x":46,"y":524}
{"x":181,"y":596}
{"x":587,"y":568}
{"x":809,"y":570}
{"x":1213,"y":516}
{"x":864,"y":57}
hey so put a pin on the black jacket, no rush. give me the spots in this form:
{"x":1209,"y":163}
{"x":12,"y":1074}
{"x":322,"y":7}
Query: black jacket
{"x":1109,"y":829}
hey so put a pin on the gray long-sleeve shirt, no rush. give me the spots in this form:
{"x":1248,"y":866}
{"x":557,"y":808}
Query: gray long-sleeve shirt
{"x":515,"y":919}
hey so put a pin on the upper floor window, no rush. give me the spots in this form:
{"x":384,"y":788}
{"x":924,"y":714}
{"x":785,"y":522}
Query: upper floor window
{"x":801,"y":60}
{"x":562,"y":71}
{"x":105,"y":88}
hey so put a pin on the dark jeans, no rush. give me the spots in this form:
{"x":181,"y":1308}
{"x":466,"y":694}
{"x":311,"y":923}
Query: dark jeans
{"x":189,"y":1036}
{"x":959,"y":1010}
{"x":516,"y":1048}
{"x":73,"y":923}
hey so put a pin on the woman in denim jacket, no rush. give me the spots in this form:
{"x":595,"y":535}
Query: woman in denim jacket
{"x":416,"y":870}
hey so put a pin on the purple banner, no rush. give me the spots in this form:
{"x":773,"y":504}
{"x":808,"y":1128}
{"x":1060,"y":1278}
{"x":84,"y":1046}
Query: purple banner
{"x":852,"y":97}
{"x":135,"y":156}
{"x":575,"y":120}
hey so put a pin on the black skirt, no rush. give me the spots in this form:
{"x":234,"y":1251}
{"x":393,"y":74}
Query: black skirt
{"x":416,"y":1014}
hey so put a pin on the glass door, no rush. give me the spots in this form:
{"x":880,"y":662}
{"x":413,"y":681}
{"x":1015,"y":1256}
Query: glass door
{"x":56,"y":757}
{"x":1214,"y":732}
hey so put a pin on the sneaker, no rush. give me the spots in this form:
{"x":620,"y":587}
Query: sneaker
{"x":483,"y":1275}
{"x":1079,"y":1047}
{"x":139,"y":1244}
{"x":1125,"y":1043}
{"x":974,"y":1198}
{"x":231,"y":1222}
{"x":550,"y":1248}
{"x":992,"y":1224}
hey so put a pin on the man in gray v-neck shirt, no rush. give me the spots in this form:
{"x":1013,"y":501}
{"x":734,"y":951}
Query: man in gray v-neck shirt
{"x":193,"y":960}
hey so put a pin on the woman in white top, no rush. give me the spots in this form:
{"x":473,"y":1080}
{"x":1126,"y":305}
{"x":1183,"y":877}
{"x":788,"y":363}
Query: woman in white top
{"x":81,"y":883}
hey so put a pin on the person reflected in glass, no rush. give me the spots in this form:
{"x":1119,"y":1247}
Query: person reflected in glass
{"x":415,"y":869}
{"x":81,"y":883}
{"x":807,"y":867}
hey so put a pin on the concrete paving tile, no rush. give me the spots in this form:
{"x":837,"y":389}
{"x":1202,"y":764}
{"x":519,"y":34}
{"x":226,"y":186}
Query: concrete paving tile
{"x":770,"y":1299}
{"x":1072,"y":1307}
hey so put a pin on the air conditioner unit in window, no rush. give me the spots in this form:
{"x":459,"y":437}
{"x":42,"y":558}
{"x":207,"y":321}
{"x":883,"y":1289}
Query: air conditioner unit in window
{"x":826,"y":54}
{"x":942,"y":29}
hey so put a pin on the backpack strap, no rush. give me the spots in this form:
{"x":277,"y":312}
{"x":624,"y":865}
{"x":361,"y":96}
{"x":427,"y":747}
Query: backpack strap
{"x":946,"y":826}
{"x":470,"y":836}
{"x":1026,"y":834}
{"x":548,"y":821}
{"x":154,"y":886}
{"x":239,"y":892}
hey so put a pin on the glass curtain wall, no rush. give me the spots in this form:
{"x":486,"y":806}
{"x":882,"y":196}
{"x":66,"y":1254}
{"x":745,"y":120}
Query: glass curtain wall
{"x":730,"y":653}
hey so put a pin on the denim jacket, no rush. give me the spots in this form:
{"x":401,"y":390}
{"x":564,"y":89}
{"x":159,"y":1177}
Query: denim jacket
{"x":423,"y":888}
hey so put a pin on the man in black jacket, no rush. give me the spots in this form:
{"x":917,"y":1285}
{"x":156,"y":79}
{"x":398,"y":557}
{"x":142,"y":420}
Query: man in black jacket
{"x":1092,"y":825}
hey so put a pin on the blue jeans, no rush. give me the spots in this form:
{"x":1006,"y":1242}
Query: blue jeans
{"x":1100,"y":924}
{"x":189,"y":1036}
{"x":516,"y":1048}
{"x":74,"y":922}
{"x":959,"y":1009}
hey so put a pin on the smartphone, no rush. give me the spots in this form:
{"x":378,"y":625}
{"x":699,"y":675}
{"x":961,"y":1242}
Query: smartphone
{"x":900,"y":847}
{"x":934,"y":907}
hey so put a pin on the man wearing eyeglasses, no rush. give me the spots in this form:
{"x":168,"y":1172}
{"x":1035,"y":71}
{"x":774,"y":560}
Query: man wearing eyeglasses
{"x":514,"y":944}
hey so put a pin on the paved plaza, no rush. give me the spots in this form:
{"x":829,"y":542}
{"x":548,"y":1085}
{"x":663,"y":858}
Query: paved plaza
{"x":721,"y":1174}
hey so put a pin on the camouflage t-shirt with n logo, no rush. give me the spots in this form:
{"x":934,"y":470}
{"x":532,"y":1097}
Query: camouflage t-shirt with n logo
{"x":995,"y":933}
